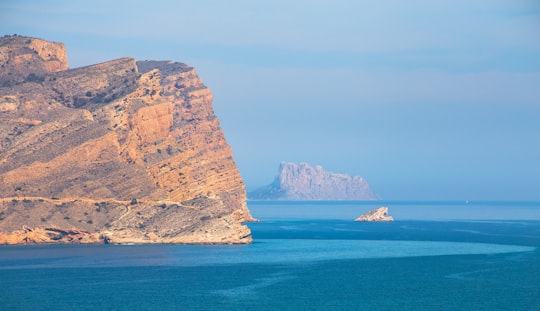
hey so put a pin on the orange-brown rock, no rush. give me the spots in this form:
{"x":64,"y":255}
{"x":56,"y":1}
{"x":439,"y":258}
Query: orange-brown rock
{"x":22,"y":58}
{"x":124,"y":152}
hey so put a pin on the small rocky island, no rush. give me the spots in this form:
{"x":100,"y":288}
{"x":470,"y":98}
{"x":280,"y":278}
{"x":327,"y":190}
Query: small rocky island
{"x":380,"y":214}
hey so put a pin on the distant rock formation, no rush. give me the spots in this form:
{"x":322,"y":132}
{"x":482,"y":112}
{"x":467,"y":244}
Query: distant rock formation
{"x":379,"y":214}
{"x":305,"y":182}
{"x":120,"y":152}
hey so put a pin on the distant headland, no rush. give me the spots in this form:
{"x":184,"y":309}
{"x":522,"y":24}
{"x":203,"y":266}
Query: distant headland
{"x":305,"y":182}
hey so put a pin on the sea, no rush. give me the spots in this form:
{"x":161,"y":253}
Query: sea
{"x":436,"y":255}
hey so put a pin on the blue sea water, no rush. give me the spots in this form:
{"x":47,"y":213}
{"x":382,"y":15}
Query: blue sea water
{"x":305,"y":256}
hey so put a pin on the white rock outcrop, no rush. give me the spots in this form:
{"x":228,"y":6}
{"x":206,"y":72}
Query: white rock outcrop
{"x":379,"y":214}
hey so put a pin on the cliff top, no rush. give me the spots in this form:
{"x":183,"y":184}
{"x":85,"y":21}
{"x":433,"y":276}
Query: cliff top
{"x":21,"y":56}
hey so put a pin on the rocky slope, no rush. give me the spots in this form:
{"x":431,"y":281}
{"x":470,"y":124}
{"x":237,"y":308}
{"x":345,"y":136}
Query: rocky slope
{"x":305,"y":182}
{"x":123,"y":151}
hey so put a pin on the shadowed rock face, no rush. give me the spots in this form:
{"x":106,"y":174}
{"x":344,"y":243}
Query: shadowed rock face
{"x":122,"y":151}
{"x":305,"y":182}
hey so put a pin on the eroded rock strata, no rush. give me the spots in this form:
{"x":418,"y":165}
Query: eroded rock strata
{"x":120,"y":152}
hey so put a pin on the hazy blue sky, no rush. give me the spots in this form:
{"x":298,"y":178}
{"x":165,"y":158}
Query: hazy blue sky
{"x":425,"y":99}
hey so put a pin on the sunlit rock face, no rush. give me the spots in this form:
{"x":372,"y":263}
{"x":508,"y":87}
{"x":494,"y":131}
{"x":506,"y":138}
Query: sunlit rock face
{"x":305,"y":182}
{"x":379,"y":214}
{"x":120,"y":152}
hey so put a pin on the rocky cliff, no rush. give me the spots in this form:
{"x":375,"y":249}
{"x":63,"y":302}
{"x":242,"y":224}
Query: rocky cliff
{"x":305,"y":182}
{"x":123,"y":151}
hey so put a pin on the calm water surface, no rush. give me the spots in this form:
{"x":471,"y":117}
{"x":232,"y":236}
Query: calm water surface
{"x":321,"y":262}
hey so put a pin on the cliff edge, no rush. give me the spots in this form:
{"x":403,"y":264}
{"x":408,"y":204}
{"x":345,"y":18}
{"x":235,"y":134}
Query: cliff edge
{"x":305,"y":182}
{"x":120,"y":152}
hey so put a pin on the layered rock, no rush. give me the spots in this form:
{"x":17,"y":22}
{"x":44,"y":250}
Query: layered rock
{"x":28,"y":58}
{"x":379,"y":214}
{"x":123,"y":151}
{"x":305,"y":182}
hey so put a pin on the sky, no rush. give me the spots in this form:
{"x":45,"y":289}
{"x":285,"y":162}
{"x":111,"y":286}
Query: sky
{"x":431,"y":100}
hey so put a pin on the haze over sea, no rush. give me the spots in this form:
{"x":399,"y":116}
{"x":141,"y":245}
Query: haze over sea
{"x":424,"y":99}
{"x":305,"y":256}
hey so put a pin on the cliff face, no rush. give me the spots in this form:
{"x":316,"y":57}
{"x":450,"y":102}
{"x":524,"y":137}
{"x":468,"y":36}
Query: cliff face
{"x":122,"y":151}
{"x":22,"y":56}
{"x":305,"y":182}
